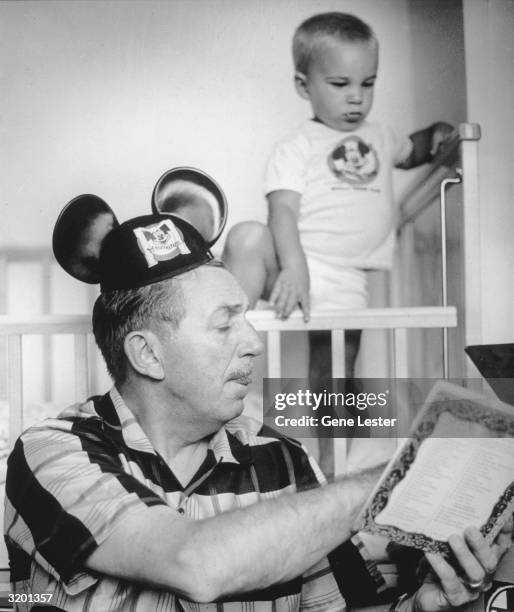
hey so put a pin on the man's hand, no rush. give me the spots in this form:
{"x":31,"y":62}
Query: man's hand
{"x":292,"y":289}
{"x":445,"y":588}
{"x":440,"y":133}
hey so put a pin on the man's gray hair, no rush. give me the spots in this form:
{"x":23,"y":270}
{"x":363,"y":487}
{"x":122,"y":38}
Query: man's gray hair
{"x":117,"y":313}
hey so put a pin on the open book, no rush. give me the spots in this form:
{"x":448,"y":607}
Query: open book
{"x":455,"y":470}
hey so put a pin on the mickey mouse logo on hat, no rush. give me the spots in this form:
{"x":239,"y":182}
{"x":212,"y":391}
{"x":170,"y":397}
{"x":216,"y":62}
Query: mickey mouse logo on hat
{"x":189,"y":214}
{"x":160,"y":241}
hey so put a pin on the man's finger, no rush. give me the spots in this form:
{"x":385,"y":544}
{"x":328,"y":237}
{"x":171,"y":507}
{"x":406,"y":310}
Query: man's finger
{"x":452,"y":586}
{"x":474,"y":555}
{"x":503,"y":540}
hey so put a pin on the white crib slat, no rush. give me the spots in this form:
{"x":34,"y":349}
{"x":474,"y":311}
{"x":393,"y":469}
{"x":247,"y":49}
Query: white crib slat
{"x":401,"y":370}
{"x":94,"y":384}
{"x":4,"y":298}
{"x":4,"y":283}
{"x":338,"y":356}
{"x":339,"y":371}
{"x":401,"y":363}
{"x":340,"y":455}
{"x":46,"y":284}
{"x":81,"y":367}
{"x":274,"y":357}
{"x":472,"y":260}
{"x":15,"y":387}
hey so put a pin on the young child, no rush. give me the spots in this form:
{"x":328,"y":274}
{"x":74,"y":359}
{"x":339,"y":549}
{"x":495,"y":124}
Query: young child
{"x":329,"y":190}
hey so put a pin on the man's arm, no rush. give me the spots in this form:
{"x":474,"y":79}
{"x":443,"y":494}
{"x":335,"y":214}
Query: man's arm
{"x":237,"y":551}
{"x":292,"y":285}
{"x":425,"y":144}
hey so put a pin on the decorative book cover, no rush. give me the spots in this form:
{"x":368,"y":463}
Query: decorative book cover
{"x":456,"y":469}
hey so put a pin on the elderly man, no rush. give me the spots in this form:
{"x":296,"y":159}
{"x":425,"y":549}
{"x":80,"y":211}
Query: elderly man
{"x":156,"y":497}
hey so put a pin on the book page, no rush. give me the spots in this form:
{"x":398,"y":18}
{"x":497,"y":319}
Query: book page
{"x":452,"y":484}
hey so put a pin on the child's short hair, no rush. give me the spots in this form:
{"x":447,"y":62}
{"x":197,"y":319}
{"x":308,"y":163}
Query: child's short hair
{"x":314,"y":32}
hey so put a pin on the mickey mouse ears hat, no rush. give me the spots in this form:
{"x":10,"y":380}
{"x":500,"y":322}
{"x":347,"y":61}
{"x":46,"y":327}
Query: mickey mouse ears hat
{"x":195,"y":196}
{"x":92,"y":246}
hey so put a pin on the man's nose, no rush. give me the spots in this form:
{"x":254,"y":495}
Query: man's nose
{"x":251,"y":344}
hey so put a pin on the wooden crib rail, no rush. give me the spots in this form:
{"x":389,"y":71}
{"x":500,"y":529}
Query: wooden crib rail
{"x":398,"y":320}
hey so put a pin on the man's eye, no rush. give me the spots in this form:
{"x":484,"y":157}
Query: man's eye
{"x":223,"y":327}
{"x":338,"y":84}
{"x":369,"y":84}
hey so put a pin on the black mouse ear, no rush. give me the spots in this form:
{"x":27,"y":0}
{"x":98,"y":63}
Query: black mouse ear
{"x":194,"y":196}
{"x":78,"y":236}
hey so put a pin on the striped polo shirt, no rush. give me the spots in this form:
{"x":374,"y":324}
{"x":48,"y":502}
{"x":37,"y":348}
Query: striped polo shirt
{"x":71,"y":480}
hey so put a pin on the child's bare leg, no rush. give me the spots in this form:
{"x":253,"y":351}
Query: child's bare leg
{"x":320,"y":373}
{"x":249,"y":254}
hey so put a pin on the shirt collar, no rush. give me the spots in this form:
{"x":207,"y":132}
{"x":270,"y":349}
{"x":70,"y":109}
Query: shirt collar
{"x":133,"y":434}
{"x":225,"y":445}
{"x":228,"y":448}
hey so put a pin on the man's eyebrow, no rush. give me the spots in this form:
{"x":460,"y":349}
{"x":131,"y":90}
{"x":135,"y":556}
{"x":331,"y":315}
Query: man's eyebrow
{"x":232,"y":309}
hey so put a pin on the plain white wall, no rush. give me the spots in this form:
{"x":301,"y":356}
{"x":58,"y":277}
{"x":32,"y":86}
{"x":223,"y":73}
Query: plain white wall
{"x":104,"y":96}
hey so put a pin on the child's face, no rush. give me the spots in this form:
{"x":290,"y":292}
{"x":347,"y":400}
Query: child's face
{"x":340,"y":83}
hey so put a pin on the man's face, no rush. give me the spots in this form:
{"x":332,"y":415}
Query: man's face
{"x":208,"y":359}
{"x":340,"y":83}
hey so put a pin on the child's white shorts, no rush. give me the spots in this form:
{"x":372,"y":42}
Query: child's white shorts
{"x":337,"y":287}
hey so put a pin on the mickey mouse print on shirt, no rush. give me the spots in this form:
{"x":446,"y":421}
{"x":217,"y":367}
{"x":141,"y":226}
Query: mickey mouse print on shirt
{"x":354,"y":161}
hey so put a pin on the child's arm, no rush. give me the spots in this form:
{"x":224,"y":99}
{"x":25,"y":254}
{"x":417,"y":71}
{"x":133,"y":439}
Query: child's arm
{"x":292,"y":285}
{"x":426,"y":144}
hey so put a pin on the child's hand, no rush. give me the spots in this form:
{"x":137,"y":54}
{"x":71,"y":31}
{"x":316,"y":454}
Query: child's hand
{"x":440,"y":133}
{"x":290,"y":290}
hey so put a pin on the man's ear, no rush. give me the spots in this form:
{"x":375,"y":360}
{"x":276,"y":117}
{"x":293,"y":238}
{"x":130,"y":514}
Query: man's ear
{"x":300,"y":83}
{"x":142,"y":349}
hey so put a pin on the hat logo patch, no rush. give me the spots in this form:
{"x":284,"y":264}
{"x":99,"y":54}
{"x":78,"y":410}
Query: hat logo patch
{"x":160,"y":242}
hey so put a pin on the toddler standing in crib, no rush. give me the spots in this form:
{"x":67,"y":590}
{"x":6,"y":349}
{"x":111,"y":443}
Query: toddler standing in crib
{"x":329,"y":191}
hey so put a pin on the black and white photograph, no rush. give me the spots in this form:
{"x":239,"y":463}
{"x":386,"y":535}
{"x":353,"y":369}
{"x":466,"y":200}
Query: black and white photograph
{"x":243,"y":241}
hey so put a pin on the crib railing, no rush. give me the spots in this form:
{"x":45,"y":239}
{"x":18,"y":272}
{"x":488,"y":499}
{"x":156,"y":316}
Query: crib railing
{"x":438,"y":251}
{"x":396,"y":320}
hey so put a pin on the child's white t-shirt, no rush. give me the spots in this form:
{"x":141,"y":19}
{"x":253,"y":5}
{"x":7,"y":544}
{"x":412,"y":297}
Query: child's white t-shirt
{"x":347,"y":211}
